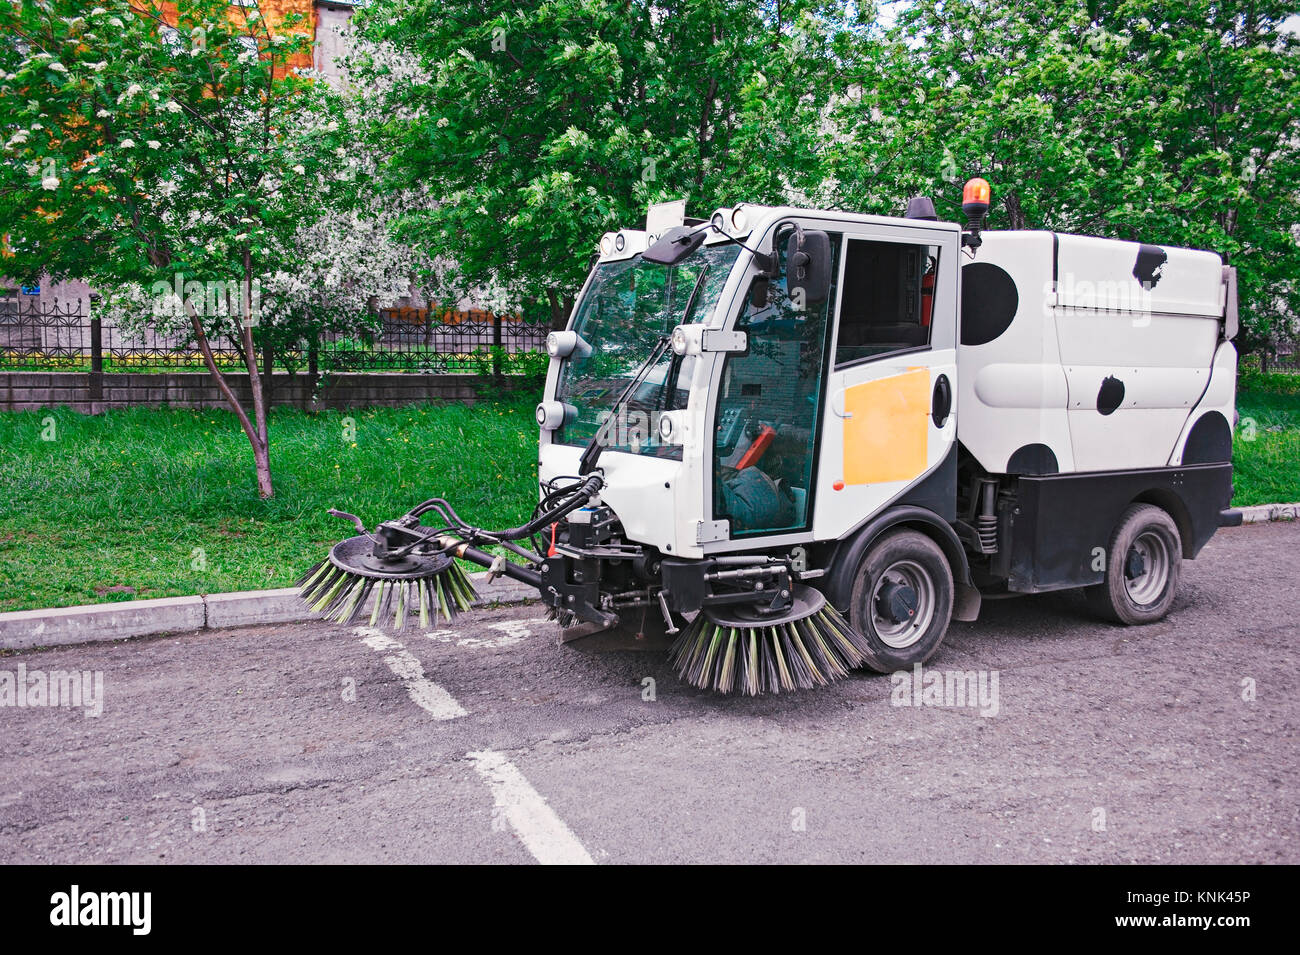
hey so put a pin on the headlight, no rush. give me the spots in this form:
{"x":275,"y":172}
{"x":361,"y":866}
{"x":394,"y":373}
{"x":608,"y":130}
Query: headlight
{"x":607,"y":244}
{"x":739,"y":220}
{"x":554,"y":414}
{"x":620,"y":242}
{"x":679,"y":340}
{"x":687,"y":339}
{"x":672,"y":427}
{"x":719,"y":222}
{"x":564,"y":344}
{"x":667,"y":428}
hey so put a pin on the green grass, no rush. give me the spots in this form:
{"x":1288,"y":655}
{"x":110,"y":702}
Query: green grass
{"x":1266,"y":449}
{"x":157,"y":503}
{"x":123,"y":505}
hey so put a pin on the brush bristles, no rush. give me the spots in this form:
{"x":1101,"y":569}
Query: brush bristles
{"x":565,"y":618}
{"x":346,"y":598}
{"x":797,"y":655}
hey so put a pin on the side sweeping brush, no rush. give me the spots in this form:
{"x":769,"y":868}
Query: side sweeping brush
{"x":729,"y":650}
{"x":354,"y":583}
{"x":405,"y":573}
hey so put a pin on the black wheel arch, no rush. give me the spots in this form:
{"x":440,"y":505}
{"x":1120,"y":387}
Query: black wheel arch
{"x":1172,"y":504}
{"x":845,"y":556}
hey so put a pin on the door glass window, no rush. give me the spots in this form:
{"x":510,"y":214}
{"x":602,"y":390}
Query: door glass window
{"x":888,"y":299}
{"x":768,"y":411}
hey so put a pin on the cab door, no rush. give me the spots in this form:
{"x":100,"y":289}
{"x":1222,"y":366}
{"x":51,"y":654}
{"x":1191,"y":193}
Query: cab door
{"x":767,"y":410}
{"x":890,"y":418}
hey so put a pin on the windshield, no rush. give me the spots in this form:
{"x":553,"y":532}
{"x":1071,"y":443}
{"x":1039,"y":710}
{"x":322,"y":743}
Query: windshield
{"x":628,"y":308}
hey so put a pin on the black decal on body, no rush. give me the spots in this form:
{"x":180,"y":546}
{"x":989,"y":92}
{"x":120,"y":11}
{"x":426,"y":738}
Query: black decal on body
{"x":1033,"y":459}
{"x":1210,"y":440}
{"x":1110,"y":396}
{"x":1151,"y":258}
{"x":989,"y":300}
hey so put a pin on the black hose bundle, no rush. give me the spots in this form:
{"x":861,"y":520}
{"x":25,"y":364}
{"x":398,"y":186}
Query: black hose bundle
{"x":406,"y":574}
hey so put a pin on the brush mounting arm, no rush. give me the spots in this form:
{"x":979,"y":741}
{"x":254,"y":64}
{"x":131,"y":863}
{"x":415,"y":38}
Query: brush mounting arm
{"x":388,"y":535}
{"x":466,"y":551}
{"x":356,"y":521}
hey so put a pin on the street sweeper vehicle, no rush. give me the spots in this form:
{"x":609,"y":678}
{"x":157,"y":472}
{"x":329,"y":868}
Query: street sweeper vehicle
{"x":801,"y":441}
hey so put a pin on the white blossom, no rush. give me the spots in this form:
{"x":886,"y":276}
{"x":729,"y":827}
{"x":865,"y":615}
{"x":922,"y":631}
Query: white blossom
{"x":50,"y":183}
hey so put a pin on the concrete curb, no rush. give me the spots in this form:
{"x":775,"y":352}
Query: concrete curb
{"x":63,"y":626}
{"x":1262,"y":513}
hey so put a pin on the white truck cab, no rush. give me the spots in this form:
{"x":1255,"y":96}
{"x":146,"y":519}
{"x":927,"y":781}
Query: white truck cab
{"x":906,"y":414}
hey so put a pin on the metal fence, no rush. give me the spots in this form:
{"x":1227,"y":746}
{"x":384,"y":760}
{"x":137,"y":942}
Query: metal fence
{"x":1278,"y":362}
{"x":36,"y":336}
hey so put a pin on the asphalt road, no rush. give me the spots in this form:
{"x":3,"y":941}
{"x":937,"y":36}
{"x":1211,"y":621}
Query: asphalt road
{"x":490,"y":743}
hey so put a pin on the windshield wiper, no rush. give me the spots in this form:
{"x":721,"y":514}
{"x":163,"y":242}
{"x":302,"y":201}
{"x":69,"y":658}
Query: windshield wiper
{"x":591,"y":455}
{"x":665,"y":399}
{"x":690,"y":302}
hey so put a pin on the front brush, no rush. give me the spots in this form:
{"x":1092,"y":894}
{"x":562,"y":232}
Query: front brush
{"x":811,"y":646}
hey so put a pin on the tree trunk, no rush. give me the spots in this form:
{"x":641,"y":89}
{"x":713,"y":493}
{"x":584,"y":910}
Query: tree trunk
{"x":1015,"y":212}
{"x":268,"y":367}
{"x":261,"y":455}
{"x":561,"y":306}
{"x":255,"y":429}
{"x":261,"y":445}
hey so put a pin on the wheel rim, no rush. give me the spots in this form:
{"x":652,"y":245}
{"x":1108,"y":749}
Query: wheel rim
{"x":1146,"y":568}
{"x":904,"y":586}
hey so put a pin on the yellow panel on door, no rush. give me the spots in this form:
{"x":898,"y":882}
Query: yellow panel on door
{"x":885,"y":437}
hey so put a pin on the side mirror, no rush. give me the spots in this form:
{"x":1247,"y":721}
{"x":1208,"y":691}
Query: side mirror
{"x":676,"y":244}
{"x":808,"y":267}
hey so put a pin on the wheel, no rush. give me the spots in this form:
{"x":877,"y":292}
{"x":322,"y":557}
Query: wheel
{"x":902,"y":600}
{"x":1143,"y":562}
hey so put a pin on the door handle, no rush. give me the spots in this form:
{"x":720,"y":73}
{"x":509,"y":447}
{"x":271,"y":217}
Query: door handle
{"x":837,"y":405}
{"x":941,"y":401}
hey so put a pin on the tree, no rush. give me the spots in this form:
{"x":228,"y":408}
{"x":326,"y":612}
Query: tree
{"x":1121,"y":118}
{"x":182,"y":154}
{"x":541,"y":127}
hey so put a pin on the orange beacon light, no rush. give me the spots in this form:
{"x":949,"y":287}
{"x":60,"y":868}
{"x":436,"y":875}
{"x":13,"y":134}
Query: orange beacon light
{"x":975,"y":199}
{"x":975,"y":206}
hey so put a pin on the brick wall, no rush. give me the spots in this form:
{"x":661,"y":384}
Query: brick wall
{"x":91,"y":394}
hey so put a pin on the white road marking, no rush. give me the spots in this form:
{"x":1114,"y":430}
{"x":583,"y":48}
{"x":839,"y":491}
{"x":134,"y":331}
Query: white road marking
{"x":426,"y":694}
{"x":513,"y":631}
{"x":541,"y":831}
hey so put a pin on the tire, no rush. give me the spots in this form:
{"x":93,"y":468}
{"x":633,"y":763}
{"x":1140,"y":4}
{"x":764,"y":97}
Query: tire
{"x":1143,"y":565}
{"x":902,"y":600}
